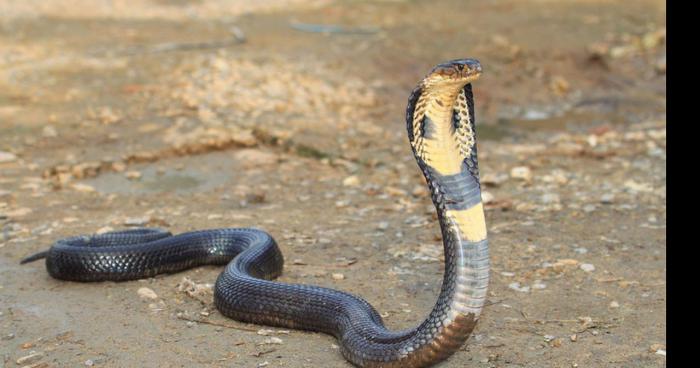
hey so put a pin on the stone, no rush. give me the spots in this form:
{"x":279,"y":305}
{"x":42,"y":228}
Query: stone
{"x":146,"y":293}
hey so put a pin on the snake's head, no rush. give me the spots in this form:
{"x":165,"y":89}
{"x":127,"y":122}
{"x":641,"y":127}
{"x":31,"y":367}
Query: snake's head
{"x":454,"y":72}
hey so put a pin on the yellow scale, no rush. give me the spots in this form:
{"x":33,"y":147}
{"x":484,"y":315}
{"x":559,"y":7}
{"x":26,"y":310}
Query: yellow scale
{"x":441,"y":151}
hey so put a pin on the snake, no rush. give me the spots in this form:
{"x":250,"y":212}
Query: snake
{"x":441,"y":130}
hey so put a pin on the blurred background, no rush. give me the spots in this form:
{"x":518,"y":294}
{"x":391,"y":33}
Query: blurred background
{"x":289,"y":115}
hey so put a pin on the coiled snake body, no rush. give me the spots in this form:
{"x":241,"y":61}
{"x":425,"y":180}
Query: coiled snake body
{"x":440,"y":121}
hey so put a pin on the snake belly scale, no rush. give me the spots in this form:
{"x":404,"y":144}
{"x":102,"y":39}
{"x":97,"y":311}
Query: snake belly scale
{"x":440,"y":122}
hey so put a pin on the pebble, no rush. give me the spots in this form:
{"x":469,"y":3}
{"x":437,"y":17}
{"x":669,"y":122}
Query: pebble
{"x":487,"y":197}
{"x":7,"y":157}
{"x":119,"y":166}
{"x":607,"y":198}
{"x":589,"y":208}
{"x":351,"y":181}
{"x":550,"y":198}
{"x":338,"y":276}
{"x":137,"y":221}
{"x":516,"y":286}
{"x":147,"y":293}
{"x":49,"y":132}
{"x":587,"y":267}
{"x":83,"y":188}
{"x":89,"y":363}
{"x":521,"y":173}
{"x":133,"y":175}
{"x":272,"y":341}
{"x":539,"y":285}
{"x":636,"y":187}
{"x":383,"y":225}
{"x":614,"y":304}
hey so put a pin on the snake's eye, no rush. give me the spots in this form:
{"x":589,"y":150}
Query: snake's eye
{"x":460,"y":67}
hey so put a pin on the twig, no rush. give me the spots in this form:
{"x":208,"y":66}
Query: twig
{"x":261,"y":353}
{"x":185,"y":318}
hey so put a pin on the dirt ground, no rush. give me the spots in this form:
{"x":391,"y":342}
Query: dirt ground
{"x":288,"y":116}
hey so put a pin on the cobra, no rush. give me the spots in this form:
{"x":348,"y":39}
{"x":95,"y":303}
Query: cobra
{"x":440,"y":121}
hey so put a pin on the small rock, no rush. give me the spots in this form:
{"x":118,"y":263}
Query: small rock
{"x":521,"y":173}
{"x":49,"y":132}
{"x":550,"y":198}
{"x":614,"y":304}
{"x":7,"y":157}
{"x":133,"y":175}
{"x":137,"y":221}
{"x":395,"y":192}
{"x":573,"y":338}
{"x":589,"y":208}
{"x":107,"y":116}
{"x":147,"y":293}
{"x":516,"y":286}
{"x":383,"y":225}
{"x":351,"y":181}
{"x":272,"y":341}
{"x":487,"y":197}
{"x":634,"y":187}
{"x":587,"y":267}
{"x":83,"y":188}
{"x":89,"y":363}
{"x":338,"y":276}
{"x":539,"y":285}
{"x":559,"y":85}
{"x":118,"y":166}
{"x":607,"y":198}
